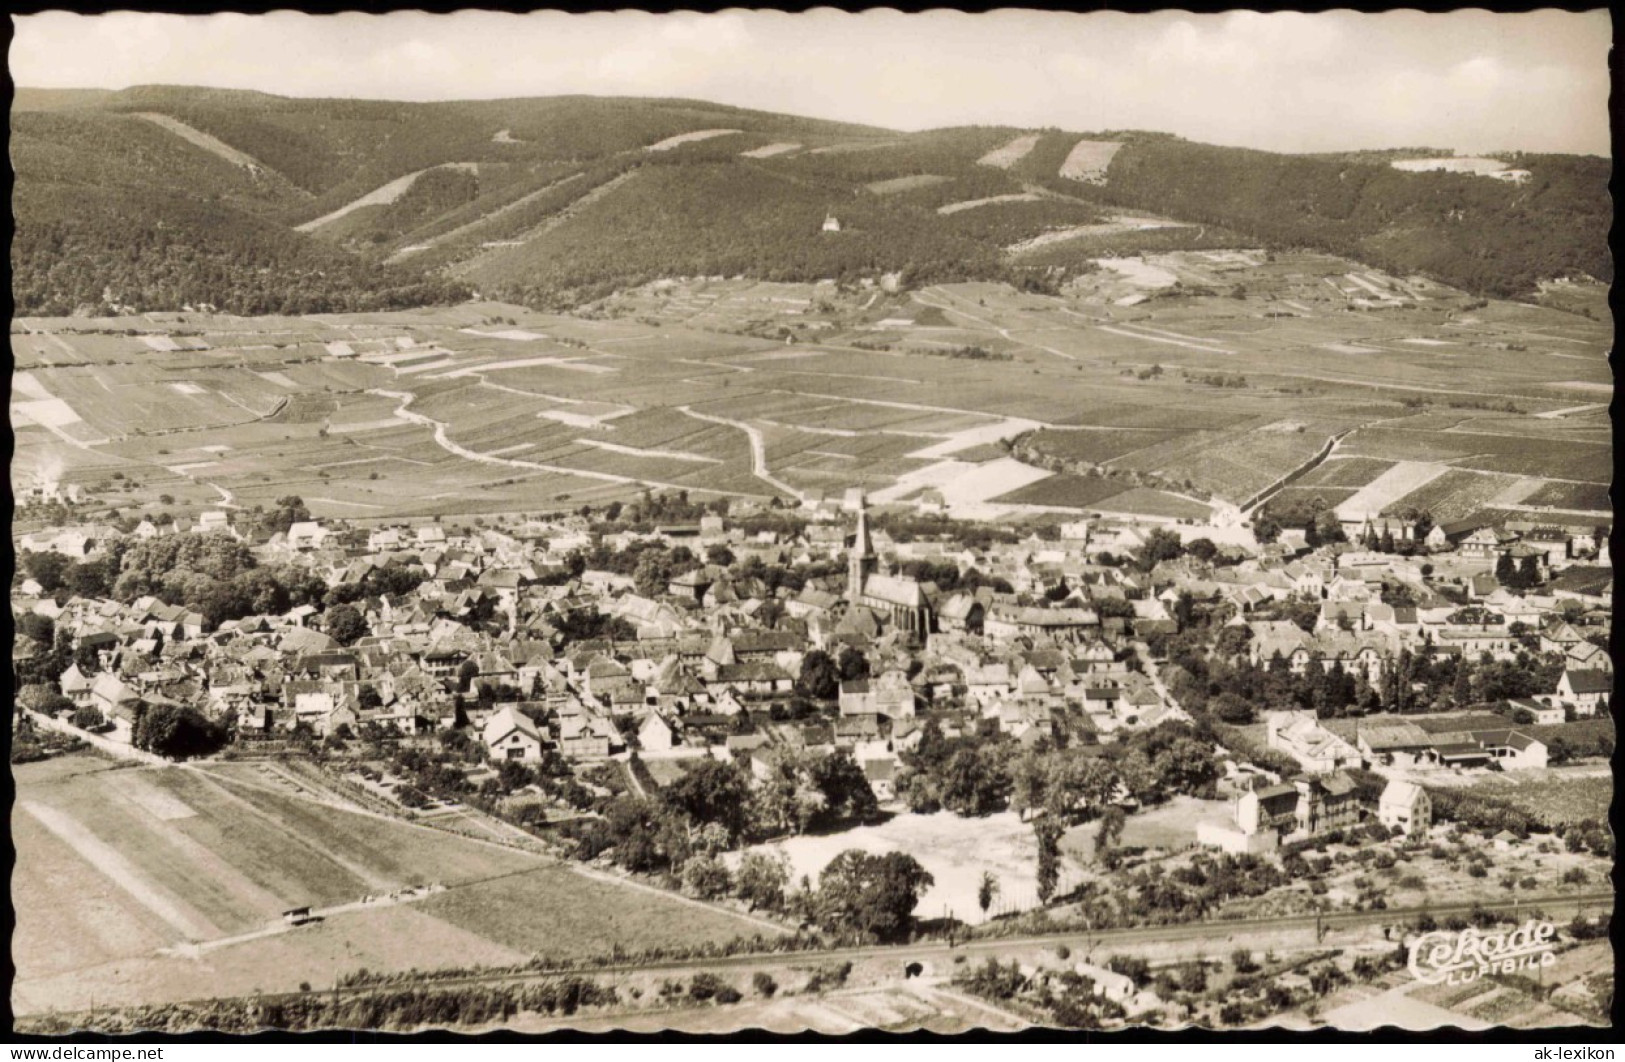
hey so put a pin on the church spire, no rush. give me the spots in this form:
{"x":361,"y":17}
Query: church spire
{"x":860,"y":559}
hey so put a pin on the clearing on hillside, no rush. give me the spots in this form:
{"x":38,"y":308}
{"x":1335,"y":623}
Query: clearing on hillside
{"x":1012,"y":197}
{"x":203,"y":140}
{"x":688,"y":138}
{"x":1009,"y":154}
{"x":1088,"y":160}
{"x":767,"y":151}
{"x":383,"y":195}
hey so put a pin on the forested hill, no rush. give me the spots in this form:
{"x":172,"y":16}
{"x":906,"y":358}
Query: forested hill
{"x":1484,"y":235}
{"x":159,"y":196}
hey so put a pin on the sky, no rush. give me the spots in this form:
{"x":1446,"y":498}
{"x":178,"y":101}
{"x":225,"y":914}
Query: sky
{"x":1468,"y":80}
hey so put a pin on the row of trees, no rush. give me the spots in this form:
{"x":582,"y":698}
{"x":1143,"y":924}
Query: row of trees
{"x":1057,"y":788}
{"x":213,"y":574}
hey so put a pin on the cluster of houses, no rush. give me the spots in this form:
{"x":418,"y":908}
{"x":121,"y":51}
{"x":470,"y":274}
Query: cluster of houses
{"x":1304,"y":807}
{"x":705,"y":658}
{"x":1427,"y":743}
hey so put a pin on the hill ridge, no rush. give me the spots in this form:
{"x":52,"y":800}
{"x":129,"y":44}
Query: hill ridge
{"x":310,"y":173}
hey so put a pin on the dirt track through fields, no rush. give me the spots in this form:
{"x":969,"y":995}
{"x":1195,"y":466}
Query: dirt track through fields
{"x":131,"y":784}
{"x":373,"y":880}
{"x":185,"y":921}
{"x":445,"y":443}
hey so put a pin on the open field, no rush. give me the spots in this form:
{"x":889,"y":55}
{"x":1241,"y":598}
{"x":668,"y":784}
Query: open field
{"x":1074,"y":492}
{"x":1592,"y":496}
{"x":1350,"y":472}
{"x":1519,"y":455}
{"x":162,"y":884}
{"x":1404,"y":479}
{"x":1097,"y":447}
{"x":955,"y":851}
{"x":1454,"y":495}
{"x":1170,"y":827}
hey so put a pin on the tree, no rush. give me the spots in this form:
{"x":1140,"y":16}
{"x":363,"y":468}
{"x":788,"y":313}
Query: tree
{"x":711,"y":791}
{"x":1230,"y":708}
{"x":89,"y":717}
{"x":1160,"y":545}
{"x":41,"y":629}
{"x":974,"y":781}
{"x":344,"y":624}
{"x":1048,"y":832}
{"x":788,"y":800}
{"x":48,"y":569}
{"x":1110,"y":831}
{"x":467,"y":672}
{"x":845,"y":788}
{"x":853,"y":664}
{"x":820,"y":677}
{"x":1461,"y":693}
{"x":707,"y":877}
{"x":1327,"y":528}
{"x":986,"y":890}
{"x":1202,"y":549}
{"x":762,"y":879}
{"x":653,"y":573}
{"x":875,"y":895}
{"x":1505,"y":571}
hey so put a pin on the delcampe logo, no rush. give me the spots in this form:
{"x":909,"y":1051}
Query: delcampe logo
{"x":1443,"y":957}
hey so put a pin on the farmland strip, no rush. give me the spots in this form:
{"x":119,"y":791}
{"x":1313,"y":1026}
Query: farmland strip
{"x":121,"y":871}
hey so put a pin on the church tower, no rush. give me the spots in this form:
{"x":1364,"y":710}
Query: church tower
{"x":860,"y":561}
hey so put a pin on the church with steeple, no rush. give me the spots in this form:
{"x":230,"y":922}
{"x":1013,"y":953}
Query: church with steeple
{"x":900,"y":601}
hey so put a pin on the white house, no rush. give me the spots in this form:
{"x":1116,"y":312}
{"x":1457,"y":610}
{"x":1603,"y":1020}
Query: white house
{"x":1300,"y":735}
{"x":306,"y":535}
{"x":512,"y":735}
{"x":656,"y":734}
{"x":1405,"y":806}
{"x":1586,"y":690}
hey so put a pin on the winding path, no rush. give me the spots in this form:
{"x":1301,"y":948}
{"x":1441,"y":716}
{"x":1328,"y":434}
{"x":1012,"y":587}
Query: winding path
{"x":758,"y":451}
{"x":464,"y":452}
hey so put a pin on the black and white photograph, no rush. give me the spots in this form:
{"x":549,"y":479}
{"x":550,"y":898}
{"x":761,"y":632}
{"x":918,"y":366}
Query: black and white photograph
{"x":834,"y":523}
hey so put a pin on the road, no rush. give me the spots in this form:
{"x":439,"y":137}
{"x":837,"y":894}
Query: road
{"x":758,"y":452}
{"x":464,"y":452}
{"x":116,"y":749}
{"x":1151,"y":672}
{"x":1320,"y":458}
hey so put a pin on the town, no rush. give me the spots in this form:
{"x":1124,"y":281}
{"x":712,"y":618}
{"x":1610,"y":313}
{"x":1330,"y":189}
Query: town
{"x":820,"y":524}
{"x":685,"y":692}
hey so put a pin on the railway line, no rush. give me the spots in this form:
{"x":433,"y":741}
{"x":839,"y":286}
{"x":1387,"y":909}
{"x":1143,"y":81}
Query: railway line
{"x":1205,"y":936}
